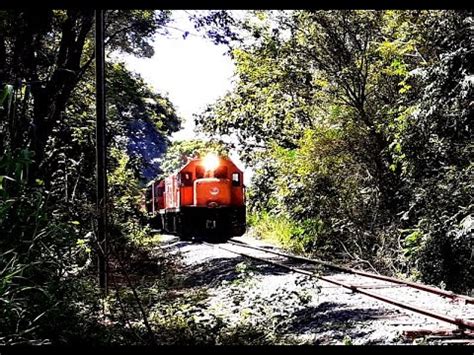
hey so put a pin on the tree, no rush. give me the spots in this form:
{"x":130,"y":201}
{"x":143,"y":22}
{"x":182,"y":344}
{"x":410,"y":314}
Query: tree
{"x":435,"y":154}
{"x":358,"y":120}
{"x":47,"y":166}
{"x":50,"y":52}
{"x":180,"y":151}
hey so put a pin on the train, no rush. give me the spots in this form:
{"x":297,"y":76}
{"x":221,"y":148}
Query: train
{"x":204,"y":199}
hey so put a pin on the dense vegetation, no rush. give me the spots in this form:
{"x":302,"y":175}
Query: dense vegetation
{"x":47,"y":167}
{"x":359,"y":127}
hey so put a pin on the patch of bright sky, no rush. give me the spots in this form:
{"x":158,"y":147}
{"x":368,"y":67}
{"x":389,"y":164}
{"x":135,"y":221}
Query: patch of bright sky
{"x":192,"y":72}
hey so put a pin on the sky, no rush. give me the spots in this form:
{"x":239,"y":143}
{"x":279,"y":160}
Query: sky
{"x":191,"y":72}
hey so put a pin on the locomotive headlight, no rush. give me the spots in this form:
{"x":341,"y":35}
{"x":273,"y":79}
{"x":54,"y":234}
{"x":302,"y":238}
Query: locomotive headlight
{"x":211,"y":162}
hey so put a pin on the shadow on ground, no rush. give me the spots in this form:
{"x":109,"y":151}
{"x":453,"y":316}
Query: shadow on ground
{"x":328,"y":322}
{"x":331,"y":321}
{"x":212,"y":271}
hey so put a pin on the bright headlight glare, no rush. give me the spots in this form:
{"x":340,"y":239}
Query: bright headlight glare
{"x":211,"y":162}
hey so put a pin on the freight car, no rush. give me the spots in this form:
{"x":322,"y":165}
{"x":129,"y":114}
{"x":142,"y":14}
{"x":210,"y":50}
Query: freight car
{"x":205,"y":198}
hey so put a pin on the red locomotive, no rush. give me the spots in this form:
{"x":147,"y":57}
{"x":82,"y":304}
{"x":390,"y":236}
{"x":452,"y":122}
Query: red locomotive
{"x":205,"y":198}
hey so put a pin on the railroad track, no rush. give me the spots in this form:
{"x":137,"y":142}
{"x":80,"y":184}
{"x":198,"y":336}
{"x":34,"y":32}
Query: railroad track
{"x":465,"y":326}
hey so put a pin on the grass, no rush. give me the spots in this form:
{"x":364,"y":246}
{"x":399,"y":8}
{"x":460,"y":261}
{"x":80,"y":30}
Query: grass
{"x":278,"y":230}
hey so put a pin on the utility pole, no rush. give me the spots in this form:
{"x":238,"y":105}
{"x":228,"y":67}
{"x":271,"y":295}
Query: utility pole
{"x":101,"y":152}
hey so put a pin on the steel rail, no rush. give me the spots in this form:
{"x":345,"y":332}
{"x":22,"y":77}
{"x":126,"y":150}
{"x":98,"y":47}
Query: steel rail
{"x":461,"y":323}
{"x":418,"y":286}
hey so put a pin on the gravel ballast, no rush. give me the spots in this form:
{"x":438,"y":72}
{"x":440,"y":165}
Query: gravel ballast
{"x":291,"y":308}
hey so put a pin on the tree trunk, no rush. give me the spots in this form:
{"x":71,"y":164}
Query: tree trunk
{"x":50,"y":101}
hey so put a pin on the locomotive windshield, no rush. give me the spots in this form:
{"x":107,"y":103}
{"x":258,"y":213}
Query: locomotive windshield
{"x":199,"y":172}
{"x":221,"y":172}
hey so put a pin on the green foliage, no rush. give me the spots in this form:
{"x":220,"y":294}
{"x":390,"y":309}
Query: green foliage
{"x":39,"y":257}
{"x":245,"y":273}
{"x":436,"y":141}
{"x":358,"y":127}
{"x":179,"y":152}
{"x":12,"y":298}
{"x":412,"y":242}
{"x":47,"y":166}
{"x":132,"y":31}
{"x":347,"y":340}
{"x":130,"y":98}
{"x":297,"y":236}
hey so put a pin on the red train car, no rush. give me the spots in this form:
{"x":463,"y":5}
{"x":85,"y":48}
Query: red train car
{"x":206,"y":197}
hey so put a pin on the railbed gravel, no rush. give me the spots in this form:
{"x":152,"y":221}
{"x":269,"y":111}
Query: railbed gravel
{"x":296,"y":309}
